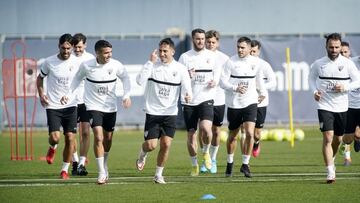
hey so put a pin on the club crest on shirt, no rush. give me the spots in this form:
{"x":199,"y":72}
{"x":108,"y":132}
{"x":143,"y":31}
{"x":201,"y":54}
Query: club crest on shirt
{"x":174,"y":74}
{"x":71,"y":68}
{"x":208,"y":61}
{"x":322,"y":67}
{"x":252,"y":67}
{"x":340,"y":68}
{"x":110,"y":71}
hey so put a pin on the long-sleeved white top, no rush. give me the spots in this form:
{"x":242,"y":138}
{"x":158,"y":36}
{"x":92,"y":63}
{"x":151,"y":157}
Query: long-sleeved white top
{"x":60,"y":74}
{"x":221,"y":59}
{"x":163,"y":85}
{"x":247,"y":73}
{"x":354,"y":95}
{"x":204,"y":64}
{"x":269,"y":80}
{"x":325,"y":74}
{"x":80,"y":92}
{"x":100,"y":79}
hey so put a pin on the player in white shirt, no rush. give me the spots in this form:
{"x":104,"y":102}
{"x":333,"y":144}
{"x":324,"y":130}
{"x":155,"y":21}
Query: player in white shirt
{"x":212,"y":43}
{"x":204,"y":74}
{"x":330,"y":79}
{"x":78,"y":165}
{"x":242,"y":80}
{"x":165,"y":80}
{"x":100,"y":76}
{"x":60,"y":70}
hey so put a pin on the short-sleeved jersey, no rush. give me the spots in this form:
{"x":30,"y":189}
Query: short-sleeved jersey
{"x":221,"y":59}
{"x":80,"y":92}
{"x":100,"y":79}
{"x":60,"y":74}
{"x":354,"y":95}
{"x":246,"y":72}
{"x":163,"y":85}
{"x":325,"y":74}
{"x":204,"y":64}
{"x":269,"y":80}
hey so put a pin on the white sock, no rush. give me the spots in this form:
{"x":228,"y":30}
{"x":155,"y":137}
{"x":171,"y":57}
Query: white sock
{"x":82,"y":160}
{"x":230,"y":158}
{"x":100,"y":165}
{"x":75,"y":157}
{"x":54,"y":147}
{"x":206,"y":148}
{"x":245,"y":159}
{"x":347,"y":155}
{"x":65,"y":167}
{"x":106,"y":157}
{"x":142,"y":155}
{"x":330,"y":169}
{"x":213,"y":152}
{"x":159,"y":171}
{"x":194,"y":161}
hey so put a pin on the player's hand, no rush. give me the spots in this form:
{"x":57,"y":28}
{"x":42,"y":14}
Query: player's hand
{"x":154,"y":56}
{"x":191,"y":72}
{"x":126,"y":103}
{"x":261,"y":98}
{"x":211,"y":84}
{"x":317,"y":96}
{"x":241,"y":89}
{"x":44,"y":100}
{"x":187,"y":98}
{"x":339,"y":88}
{"x":64,"y":100}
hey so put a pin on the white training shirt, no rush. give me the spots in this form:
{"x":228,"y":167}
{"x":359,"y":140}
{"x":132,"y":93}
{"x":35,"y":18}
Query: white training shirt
{"x":221,"y":59}
{"x":80,"y":92}
{"x":269,"y":81}
{"x":204,"y":63}
{"x":60,"y":74}
{"x":163,"y":84}
{"x":354,"y":95}
{"x":100,"y":79}
{"x":325,"y":74}
{"x":242,"y":71}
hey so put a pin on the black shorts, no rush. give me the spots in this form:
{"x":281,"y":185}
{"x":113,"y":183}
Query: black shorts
{"x":82,"y":114}
{"x":352,"y":120}
{"x":236,"y":117}
{"x":260,"y":117}
{"x":103,"y":119}
{"x":192,"y":114}
{"x":332,"y":121}
{"x":62,"y":117}
{"x":157,"y":126}
{"x":219,"y":112}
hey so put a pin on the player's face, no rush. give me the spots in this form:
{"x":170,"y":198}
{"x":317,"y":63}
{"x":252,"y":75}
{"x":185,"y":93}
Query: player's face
{"x":243,"y":49}
{"x":255,"y":51}
{"x":65,"y":50}
{"x":345,"y":51}
{"x":104,"y":55}
{"x":166,"y":53}
{"x":333,"y":48}
{"x":79,"y":48}
{"x":212,"y":43}
{"x":199,"y":41}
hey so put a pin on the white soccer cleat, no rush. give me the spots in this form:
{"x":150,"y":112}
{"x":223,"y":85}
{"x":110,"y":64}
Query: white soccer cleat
{"x":140,"y":165}
{"x":159,"y":180}
{"x":102,"y":179}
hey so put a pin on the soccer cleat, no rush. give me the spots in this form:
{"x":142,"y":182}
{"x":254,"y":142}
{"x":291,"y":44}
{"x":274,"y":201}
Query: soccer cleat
{"x":245,"y":170}
{"x":50,"y":156}
{"x":159,"y":180}
{"x":102,"y":179}
{"x":64,"y":175}
{"x":347,"y":162}
{"x":74,"y":171}
{"x":194,"y":170}
{"x":81,"y":171}
{"x":356,"y":145}
{"x":213,"y":169}
{"x":229,"y":167}
{"x":256,"y":149}
{"x":330,"y":178}
{"x":140,"y":165}
{"x":207,"y":161}
{"x":342,"y":148}
{"x":203,"y":169}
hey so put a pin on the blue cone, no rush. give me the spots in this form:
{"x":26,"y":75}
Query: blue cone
{"x":208,"y":196}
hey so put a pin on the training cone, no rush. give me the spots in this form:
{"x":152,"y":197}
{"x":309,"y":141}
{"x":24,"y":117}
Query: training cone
{"x":208,"y":196}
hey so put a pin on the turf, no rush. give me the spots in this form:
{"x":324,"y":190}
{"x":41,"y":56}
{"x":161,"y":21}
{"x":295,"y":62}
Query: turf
{"x":280,"y":174}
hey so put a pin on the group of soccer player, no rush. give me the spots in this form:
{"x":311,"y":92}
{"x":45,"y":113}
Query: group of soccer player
{"x":82,"y":88}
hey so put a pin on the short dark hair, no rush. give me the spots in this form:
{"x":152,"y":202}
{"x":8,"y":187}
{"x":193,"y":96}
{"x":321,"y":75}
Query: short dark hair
{"x":244,"y":39}
{"x":78,"y":37}
{"x":255,"y":43}
{"x":65,"y":38}
{"x":197,"y":30}
{"x":167,"y":41}
{"x":333,"y":36}
{"x":212,"y":33}
{"x":102,"y":44}
{"x":345,"y":44}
